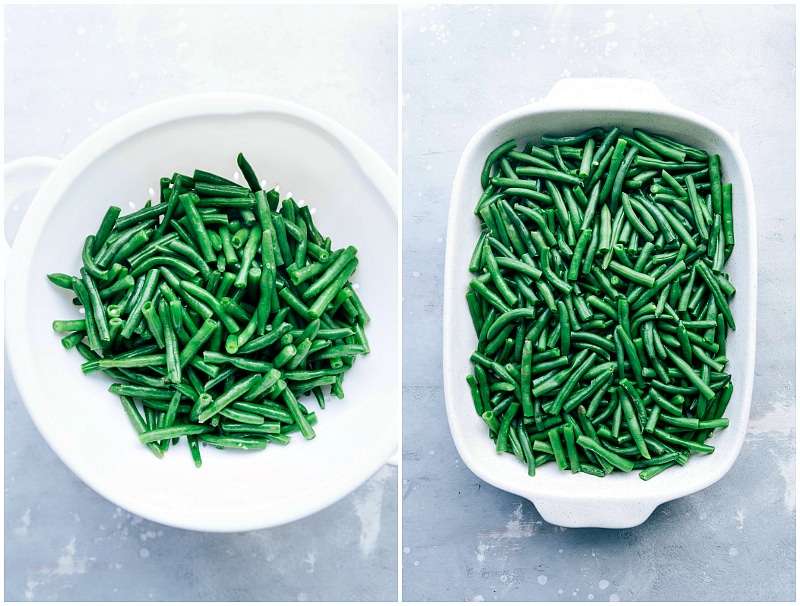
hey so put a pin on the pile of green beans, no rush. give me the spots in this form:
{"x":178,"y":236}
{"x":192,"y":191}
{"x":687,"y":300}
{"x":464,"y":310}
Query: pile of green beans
{"x":215,"y":310}
{"x":600,"y":301}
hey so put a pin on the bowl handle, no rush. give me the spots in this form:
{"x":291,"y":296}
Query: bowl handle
{"x":20,"y":177}
{"x":591,"y":92}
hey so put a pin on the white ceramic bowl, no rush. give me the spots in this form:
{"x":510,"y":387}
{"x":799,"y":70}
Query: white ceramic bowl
{"x":580,"y":500}
{"x":355,"y":195}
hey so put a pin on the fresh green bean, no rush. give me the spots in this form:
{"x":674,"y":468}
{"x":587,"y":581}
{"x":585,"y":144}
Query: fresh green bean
{"x":635,"y":336}
{"x":164,"y":288}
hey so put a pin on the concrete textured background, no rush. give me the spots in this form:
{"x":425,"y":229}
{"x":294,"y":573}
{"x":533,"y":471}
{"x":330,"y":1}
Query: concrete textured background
{"x":68,"y":71}
{"x":463,"y":65}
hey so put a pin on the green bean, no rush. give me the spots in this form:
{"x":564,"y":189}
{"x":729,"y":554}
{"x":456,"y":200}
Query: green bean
{"x":176,"y":431}
{"x":660,"y":147}
{"x":493,"y":156}
{"x":545,"y":173}
{"x":241,"y":442}
{"x":212,"y":302}
{"x":196,"y":341}
{"x":586,"y":158}
{"x":248,"y":173}
{"x":188,"y":204}
{"x":105,"y":229}
{"x":601,"y":451}
{"x":89,"y":263}
{"x":327,"y":295}
{"x":92,"y":298}
{"x":719,"y":296}
{"x":164,"y":287}
{"x":572,"y":139}
{"x":697,"y":211}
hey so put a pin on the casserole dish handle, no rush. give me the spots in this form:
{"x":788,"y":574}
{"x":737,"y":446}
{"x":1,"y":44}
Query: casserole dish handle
{"x":610,"y":92}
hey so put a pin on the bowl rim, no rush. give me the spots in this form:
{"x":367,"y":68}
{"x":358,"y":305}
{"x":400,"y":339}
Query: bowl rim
{"x":545,"y":495}
{"x":375,"y":169}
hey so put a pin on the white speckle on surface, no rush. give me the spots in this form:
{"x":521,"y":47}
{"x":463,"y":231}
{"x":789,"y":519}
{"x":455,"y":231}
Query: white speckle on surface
{"x":560,"y":591}
{"x":590,"y":596}
{"x":515,"y":528}
{"x":415,"y":274}
{"x":302,"y":597}
{"x":416,"y":562}
{"x":481,"y":552}
{"x":431,"y":453}
{"x":478,"y":598}
{"x":516,"y":33}
{"x":613,"y":598}
{"x":81,"y":31}
{"x":777,"y":421}
{"x":429,"y":167}
{"x":733,"y":552}
{"x":542,"y":579}
{"x":369,"y":505}
{"x":739,"y":518}
{"x":30,"y":585}
{"x":68,"y":563}
{"x":311,"y":559}
{"x":406,"y":550}
{"x":145,"y":553}
{"x":24,"y":523}
{"x":602,"y":584}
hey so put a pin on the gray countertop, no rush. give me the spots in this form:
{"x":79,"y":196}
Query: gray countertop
{"x":464,"y":540}
{"x":68,"y":71}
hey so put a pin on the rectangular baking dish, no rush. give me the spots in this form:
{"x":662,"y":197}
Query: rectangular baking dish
{"x":580,"y":500}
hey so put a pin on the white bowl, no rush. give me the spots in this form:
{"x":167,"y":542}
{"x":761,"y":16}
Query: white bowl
{"x":307,"y":154}
{"x":580,"y":500}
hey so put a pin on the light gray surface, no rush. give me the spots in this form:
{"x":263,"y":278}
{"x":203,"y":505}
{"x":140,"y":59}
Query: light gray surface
{"x":464,"y":540}
{"x":68,"y":71}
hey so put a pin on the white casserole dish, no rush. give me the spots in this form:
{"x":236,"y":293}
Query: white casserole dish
{"x":580,"y":500}
{"x":355,"y":195}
